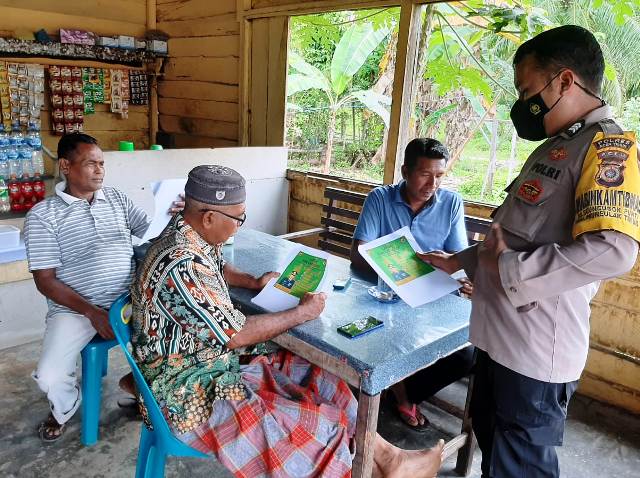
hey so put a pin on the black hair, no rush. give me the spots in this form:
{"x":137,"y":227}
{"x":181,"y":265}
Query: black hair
{"x":424,"y":148}
{"x":69,"y":142}
{"x":569,"y":46}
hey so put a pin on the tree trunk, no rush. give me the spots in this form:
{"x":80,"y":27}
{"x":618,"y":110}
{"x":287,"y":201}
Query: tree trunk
{"x":487,"y":185}
{"x":329,"y":149}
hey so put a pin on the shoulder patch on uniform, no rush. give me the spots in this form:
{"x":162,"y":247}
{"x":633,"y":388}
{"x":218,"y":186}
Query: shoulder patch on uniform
{"x":531,"y":190}
{"x":558,"y":154}
{"x":574,"y":128}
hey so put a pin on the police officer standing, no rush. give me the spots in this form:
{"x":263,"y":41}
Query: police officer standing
{"x":570,"y":220}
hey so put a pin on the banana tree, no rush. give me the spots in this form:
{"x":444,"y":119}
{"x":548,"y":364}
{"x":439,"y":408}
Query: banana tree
{"x":350,"y":54}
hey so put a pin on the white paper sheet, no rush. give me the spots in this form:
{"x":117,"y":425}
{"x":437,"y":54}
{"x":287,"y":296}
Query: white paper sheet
{"x":277,"y":295}
{"x":165,"y":192}
{"x":393,"y":258}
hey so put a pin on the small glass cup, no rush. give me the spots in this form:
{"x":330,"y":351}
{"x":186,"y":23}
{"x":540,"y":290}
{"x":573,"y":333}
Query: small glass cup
{"x":382,"y":292}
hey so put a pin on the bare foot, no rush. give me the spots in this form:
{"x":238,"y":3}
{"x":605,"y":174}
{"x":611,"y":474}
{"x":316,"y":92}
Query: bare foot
{"x":416,"y":464}
{"x":127,"y":384}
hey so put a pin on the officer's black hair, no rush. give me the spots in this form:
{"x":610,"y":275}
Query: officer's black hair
{"x":424,"y":148}
{"x":69,"y":142}
{"x":569,"y":46}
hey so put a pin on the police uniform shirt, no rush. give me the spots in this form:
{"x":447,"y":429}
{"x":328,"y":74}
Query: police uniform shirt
{"x":534,"y":319}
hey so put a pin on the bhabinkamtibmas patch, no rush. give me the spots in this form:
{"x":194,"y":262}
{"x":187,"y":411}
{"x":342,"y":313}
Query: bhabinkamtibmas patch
{"x":607,"y":195}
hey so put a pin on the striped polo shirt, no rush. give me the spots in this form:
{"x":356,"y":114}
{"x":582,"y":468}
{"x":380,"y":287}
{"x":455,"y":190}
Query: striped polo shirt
{"x":88,"y":244}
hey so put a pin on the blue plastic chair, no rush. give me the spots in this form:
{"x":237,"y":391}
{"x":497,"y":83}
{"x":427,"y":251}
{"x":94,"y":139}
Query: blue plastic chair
{"x":95,"y":363}
{"x":157,"y":444}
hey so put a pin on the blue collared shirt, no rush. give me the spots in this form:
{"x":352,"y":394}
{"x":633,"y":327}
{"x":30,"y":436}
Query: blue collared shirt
{"x":438,"y":226}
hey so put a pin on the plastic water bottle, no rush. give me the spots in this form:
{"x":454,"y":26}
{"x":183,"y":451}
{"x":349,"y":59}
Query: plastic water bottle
{"x":37,"y":161}
{"x":5,"y":205}
{"x":15,"y":165}
{"x":16,"y":138}
{"x":4,"y":139}
{"x":25,"y":152}
{"x":4,"y":165}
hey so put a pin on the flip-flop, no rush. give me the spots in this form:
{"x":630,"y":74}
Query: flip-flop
{"x":129,"y":403}
{"x":45,"y":427}
{"x":404,"y":413}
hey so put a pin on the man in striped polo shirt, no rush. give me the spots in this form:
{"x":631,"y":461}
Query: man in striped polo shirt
{"x":81,"y":256}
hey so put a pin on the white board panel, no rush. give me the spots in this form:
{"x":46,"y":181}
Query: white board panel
{"x":264,"y":168}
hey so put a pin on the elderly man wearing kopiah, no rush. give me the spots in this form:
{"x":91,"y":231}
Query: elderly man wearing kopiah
{"x":261,"y":412}
{"x":570,"y":220}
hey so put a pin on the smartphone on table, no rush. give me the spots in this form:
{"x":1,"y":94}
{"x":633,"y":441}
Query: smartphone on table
{"x":360,"y":327}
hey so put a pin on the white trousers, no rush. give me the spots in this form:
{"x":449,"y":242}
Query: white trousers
{"x":65,"y":336}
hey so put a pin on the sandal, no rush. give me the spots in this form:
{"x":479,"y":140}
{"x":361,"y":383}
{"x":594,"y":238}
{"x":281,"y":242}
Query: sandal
{"x":406,"y":414}
{"x":128,"y":403}
{"x":50,"y":430}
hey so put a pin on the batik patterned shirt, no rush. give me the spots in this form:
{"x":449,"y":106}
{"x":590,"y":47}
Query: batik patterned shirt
{"x":183,"y":319}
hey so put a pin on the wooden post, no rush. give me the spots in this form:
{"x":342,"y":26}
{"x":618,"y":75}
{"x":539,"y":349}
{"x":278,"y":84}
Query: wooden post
{"x":153,"y":101}
{"x":465,"y":454}
{"x":403,"y":83}
{"x":245,"y":72}
{"x":153,"y":87}
{"x":366,"y":430}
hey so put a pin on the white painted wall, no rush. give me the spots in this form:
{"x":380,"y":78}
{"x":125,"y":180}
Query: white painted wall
{"x":264,"y":169}
{"x":22,"y":312}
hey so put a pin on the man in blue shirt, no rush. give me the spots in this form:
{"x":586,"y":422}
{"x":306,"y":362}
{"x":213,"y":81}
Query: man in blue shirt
{"x":436,"y":219}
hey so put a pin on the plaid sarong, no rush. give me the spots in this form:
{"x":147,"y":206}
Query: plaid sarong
{"x":297,"y":421}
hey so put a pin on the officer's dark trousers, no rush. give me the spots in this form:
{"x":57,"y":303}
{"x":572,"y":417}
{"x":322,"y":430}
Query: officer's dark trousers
{"x":518,"y":421}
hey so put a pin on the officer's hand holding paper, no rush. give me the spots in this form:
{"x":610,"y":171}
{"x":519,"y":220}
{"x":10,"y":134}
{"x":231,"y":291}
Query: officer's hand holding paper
{"x":395,"y":260}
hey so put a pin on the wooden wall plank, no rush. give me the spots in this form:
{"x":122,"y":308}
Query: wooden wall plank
{"x":118,"y":10}
{"x":610,"y":392}
{"x":198,"y":90}
{"x":277,"y":80}
{"x":108,"y":140}
{"x":216,"y":110}
{"x":199,"y":127}
{"x":221,"y":70}
{"x":107,"y":122}
{"x":12,"y":18}
{"x":612,"y":368}
{"x":199,"y":27}
{"x":193,"y":141}
{"x":258,"y":106}
{"x":616,"y":327}
{"x":193,"y":9}
{"x":211,"y":47}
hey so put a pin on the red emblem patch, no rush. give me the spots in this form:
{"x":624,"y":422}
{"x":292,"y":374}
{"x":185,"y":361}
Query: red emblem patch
{"x":558,"y":154}
{"x":531,"y":190}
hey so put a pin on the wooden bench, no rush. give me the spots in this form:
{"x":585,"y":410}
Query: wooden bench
{"x":339,"y":223}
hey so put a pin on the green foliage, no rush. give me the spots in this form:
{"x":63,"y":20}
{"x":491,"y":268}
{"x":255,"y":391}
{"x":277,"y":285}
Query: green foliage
{"x":631,"y":115}
{"x":351,"y":53}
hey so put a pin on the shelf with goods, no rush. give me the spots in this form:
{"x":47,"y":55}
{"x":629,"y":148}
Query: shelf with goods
{"x":55,"y":53}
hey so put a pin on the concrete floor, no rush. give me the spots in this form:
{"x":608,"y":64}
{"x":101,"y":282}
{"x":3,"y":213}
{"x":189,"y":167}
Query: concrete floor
{"x":600,"y":441}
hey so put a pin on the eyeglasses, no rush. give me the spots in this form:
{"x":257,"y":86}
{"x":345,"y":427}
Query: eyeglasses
{"x":240,"y":220}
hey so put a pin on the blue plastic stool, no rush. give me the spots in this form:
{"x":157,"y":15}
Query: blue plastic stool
{"x":157,"y":444}
{"x":95,"y":363}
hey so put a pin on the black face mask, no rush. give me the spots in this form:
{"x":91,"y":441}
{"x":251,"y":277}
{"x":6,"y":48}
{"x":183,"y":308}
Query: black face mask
{"x":528,"y":115}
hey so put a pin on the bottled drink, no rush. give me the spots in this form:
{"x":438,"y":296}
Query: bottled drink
{"x":37,"y":161}
{"x":15,"y":196}
{"x":39,"y":189}
{"x":28,"y":199}
{"x":5,"y":204}
{"x":4,"y":165}
{"x":15,"y":166}
{"x":4,"y":139}
{"x":25,"y":152}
